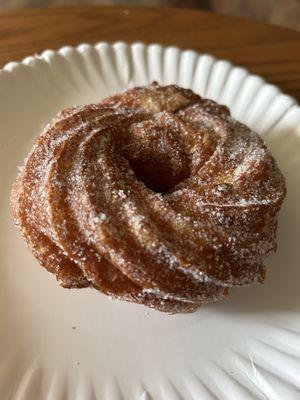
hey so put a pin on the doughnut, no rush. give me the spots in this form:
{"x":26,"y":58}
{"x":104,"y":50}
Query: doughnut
{"x":154,"y":196}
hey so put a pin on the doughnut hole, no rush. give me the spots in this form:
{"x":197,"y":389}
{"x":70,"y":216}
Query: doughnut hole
{"x":158,"y":175}
{"x":159,"y":152}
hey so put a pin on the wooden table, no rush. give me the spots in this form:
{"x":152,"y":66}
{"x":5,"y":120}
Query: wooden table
{"x":269,"y":51}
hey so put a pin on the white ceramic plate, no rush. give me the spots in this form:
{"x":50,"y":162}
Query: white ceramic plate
{"x":57,"y":344}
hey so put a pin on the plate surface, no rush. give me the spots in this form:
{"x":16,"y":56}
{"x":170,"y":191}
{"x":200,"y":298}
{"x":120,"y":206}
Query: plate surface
{"x":57,"y":344}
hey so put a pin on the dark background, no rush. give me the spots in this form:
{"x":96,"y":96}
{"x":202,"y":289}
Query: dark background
{"x":281,"y":12}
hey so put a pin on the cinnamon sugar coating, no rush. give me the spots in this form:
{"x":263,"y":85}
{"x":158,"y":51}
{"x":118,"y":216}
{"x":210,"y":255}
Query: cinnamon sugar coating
{"x":154,"y":196}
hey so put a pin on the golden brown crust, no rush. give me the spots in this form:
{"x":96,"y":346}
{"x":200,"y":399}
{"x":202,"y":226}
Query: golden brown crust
{"x":155,"y":196}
